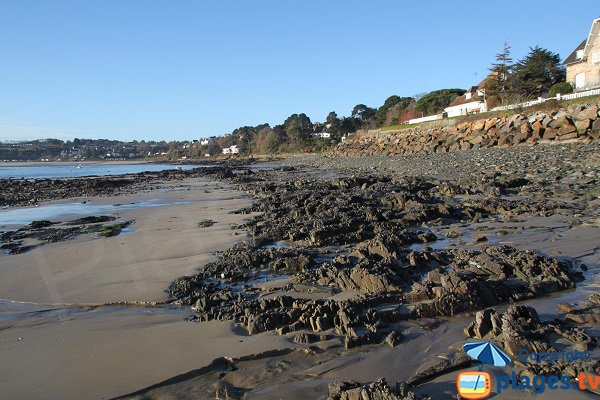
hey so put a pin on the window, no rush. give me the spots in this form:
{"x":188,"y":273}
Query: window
{"x":580,"y":80}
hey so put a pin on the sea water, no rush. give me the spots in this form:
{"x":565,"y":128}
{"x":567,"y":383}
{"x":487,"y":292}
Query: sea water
{"x":71,"y":170}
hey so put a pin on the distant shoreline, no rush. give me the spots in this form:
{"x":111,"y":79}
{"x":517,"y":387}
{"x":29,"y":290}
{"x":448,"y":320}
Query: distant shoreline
{"x":36,"y":163}
{"x":108,"y":162}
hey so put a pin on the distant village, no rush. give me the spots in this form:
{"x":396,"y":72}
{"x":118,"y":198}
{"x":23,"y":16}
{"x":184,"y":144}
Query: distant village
{"x":81,"y":150}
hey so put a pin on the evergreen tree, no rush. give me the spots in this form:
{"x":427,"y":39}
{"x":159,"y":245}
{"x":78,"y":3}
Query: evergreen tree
{"x":499,"y":82}
{"x":390,"y":102}
{"x":534,"y":75}
{"x":435,"y":102}
{"x":363,"y":113}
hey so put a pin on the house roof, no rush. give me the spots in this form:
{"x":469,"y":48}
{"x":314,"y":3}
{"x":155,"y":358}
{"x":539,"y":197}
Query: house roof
{"x":573,"y":56}
{"x":481,"y":85}
{"x":460,"y":100}
{"x":585,"y":45}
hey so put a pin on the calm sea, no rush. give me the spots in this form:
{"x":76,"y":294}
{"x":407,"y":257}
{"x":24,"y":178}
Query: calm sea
{"x":72,"y":170}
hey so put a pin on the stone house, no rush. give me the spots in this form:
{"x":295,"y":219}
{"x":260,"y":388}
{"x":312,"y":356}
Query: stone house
{"x":583,"y":64}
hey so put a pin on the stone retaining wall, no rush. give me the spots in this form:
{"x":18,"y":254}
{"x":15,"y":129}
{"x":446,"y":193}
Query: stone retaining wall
{"x":577,"y":122}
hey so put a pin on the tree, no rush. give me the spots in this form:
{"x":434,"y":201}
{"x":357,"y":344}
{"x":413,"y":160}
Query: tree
{"x":363,"y":113}
{"x":298,"y":128}
{"x":498,"y":84}
{"x":435,"y":102}
{"x":391,"y":102}
{"x":266,"y":141}
{"x":333,"y":125}
{"x":245,"y":134}
{"x":534,"y":75}
{"x":349,"y":124}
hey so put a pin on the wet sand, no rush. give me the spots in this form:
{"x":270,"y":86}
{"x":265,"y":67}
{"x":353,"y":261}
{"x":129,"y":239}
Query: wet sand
{"x":166,"y":243}
{"x":58,"y":352}
{"x":106,"y":352}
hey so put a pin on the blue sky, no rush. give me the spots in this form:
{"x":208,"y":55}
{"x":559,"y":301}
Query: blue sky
{"x":174,"y":70}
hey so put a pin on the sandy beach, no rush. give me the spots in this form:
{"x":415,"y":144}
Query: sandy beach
{"x":73,"y":351}
{"x":166,"y":242}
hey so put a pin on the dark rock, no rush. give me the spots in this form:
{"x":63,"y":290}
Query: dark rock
{"x":394,"y":338}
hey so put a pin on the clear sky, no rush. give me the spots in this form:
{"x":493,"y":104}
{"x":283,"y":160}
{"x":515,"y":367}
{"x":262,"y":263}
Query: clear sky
{"x":183,"y":69}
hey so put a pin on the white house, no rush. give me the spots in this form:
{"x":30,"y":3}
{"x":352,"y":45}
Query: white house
{"x":231,"y":150}
{"x":204,"y":142}
{"x":323,"y":135}
{"x":469,"y":103}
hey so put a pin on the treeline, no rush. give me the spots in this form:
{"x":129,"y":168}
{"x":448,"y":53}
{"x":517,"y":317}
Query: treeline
{"x":298,"y":133}
{"x":83,"y":149}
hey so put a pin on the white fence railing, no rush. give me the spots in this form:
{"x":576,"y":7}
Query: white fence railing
{"x":577,"y":95}
{"x":425,"y":119}
{"x":540,"y":100}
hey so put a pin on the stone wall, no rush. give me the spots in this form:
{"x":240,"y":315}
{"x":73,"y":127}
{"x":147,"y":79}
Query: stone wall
{"x":577,"y":122}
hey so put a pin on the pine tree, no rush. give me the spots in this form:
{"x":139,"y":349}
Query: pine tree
{"x":499,"y":82}
{"x":534,"y":75}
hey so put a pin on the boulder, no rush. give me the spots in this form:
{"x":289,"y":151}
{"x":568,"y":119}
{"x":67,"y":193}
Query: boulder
{"x":483,"y":323}
{"x":550,"y":134}
{"x":566,"y":129}
{"x":525,"y":128}
{"x":538,"y":127}
{"x":307,"y":338}
{"x":583,"y":124}
{"x":568,"y":136}
{"x":490,"y":123}
{"x":378,"y":390}
{"x":590,"y":112}
{"x":394,"y":338}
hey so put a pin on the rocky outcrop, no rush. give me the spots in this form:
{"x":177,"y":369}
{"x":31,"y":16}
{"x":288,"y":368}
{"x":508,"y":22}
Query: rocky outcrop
{"x":378,"y":390}
{"x":39,"y":233}
{"x":354,"y":234}
{"x":576,"y":122}
{"x":520,"y":330}
{"x":465,"y":280}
